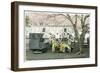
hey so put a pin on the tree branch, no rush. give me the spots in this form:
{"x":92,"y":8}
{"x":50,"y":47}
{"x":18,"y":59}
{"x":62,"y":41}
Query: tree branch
{"x":86,"y":17}
{"x":76,"y":16}
{"x":69,"y":18}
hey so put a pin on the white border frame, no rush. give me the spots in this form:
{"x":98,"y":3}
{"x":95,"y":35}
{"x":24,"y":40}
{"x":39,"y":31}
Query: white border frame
{"x":58,"y":62}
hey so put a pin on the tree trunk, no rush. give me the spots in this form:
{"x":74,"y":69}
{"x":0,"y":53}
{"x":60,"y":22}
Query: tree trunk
{"x":81,"y":41}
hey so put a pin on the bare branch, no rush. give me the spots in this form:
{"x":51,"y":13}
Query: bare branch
{"x":82,"y":21}
{"x":79,"y":17}
{"x":75,"y":19}
{"x":86,"y":17}
{"x":69,"y":18}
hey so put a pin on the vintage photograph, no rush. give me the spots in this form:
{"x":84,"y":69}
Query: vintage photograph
{"x":56,"y":35}
{"x":52,"y":36}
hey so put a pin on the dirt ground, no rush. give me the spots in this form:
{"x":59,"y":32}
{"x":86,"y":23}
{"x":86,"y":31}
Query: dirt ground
{"x":30,"y":55}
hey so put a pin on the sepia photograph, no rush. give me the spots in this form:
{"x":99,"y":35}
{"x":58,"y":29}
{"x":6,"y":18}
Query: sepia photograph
{"x":56,"y":35}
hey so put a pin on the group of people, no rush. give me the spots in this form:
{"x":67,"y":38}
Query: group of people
{"x":60,"y":44}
